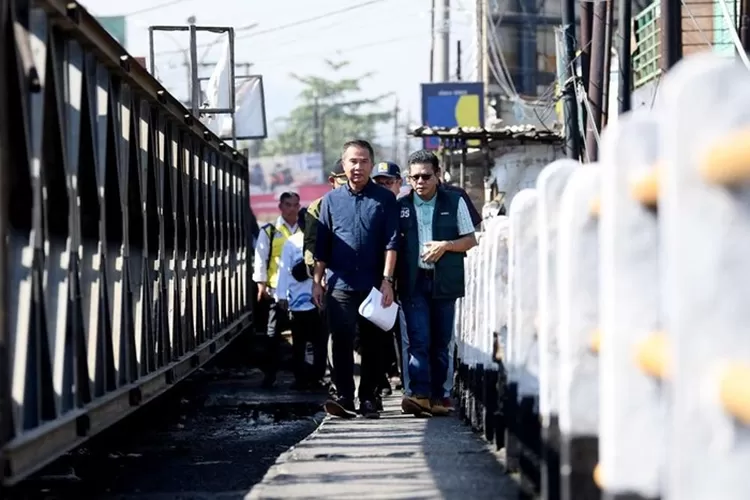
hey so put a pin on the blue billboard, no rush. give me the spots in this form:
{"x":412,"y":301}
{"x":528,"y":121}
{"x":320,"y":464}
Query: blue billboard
{"x":454,"y":104}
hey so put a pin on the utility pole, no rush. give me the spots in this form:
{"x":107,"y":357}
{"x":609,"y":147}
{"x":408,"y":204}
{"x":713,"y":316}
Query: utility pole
{"x":624,"y":28}
{"x":570,"y":107}
{"x":587,"y":19}
{"x":458,"y":60}
{"x":396,"y":137}
{"x":596,"y":80}
{"x":671,"y":32}
{"x":608,"y":29}
{"x":745,"y":24}
{"x":432,"y":41}
{"x":317,"y":130}
{"x":442,"y":45}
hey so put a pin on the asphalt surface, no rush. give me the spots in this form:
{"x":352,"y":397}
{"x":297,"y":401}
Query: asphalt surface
{"x":212,"y":437}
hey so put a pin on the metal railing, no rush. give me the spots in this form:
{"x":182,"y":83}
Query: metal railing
{"x":622,"y":286}
{"x":125,"y":256}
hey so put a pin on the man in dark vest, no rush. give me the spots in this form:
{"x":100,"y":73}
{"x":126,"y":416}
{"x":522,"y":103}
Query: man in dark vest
{"x":436,"y":232}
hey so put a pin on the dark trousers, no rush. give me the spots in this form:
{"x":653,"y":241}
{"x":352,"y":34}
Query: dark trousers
{"x":345,"y":324}
{"x":307,"y":326}
{"x":278,"y":321}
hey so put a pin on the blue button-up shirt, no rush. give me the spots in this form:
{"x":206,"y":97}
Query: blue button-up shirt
{"x":354,"y":232}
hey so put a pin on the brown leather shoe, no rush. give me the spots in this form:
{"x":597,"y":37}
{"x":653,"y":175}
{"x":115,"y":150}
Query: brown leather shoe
{"x":439,"y":410}
{"x":417,"y":406}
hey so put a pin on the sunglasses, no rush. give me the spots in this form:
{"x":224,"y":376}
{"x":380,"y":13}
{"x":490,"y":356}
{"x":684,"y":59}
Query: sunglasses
{"x":423,"y":177}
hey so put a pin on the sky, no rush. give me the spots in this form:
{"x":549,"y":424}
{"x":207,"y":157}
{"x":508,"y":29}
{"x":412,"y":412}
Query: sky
{"x":388,"y":38}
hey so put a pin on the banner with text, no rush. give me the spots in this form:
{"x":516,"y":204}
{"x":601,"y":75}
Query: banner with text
{"x":270,"y":176}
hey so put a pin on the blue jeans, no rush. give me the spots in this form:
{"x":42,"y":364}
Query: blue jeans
{"x":448,"y":386}
{"x":429,"y":325}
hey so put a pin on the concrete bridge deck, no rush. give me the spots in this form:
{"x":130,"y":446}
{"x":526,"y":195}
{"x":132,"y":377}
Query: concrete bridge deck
{"x":395,"y":457}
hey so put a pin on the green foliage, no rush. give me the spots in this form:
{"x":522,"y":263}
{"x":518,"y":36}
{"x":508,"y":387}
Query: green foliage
{"x":330,"y":112}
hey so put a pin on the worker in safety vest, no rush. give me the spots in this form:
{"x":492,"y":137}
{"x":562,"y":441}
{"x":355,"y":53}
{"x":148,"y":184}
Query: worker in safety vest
{"x":336,"y":178}
{"x":271,"y":239}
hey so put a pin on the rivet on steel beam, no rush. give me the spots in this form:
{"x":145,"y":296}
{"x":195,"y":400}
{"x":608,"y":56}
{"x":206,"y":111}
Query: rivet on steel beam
{"x":645,"y":188}
{"x":73,"y":12}
{"x":596,"y":341}
{"x":83,"y":425}
{"x":207,"y":135}
{"x":161,"y":96}
{"x":235,"y":154}
{"x":652,"y":355}
{"x":727,"y":161}
{"x":595,"y":206}
{"x":598,"y":480}
{"x":125,"y":62}
{"x":222,"y":146}
{"x":734,"y":391}
{"x":188,"y":119}
{"x":135,"y":396}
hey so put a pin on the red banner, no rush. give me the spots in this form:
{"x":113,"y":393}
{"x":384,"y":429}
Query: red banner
{"x":266,"y":206}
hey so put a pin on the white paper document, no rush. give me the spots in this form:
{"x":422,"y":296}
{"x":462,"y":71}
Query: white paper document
{"x":372,"y":309}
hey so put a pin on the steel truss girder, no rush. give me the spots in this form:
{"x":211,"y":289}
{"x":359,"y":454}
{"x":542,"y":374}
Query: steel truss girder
{"x":126,"y":248}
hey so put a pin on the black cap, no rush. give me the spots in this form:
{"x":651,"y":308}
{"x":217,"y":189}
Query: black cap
{"x":387,"y":169}
{"x":338,"y":168}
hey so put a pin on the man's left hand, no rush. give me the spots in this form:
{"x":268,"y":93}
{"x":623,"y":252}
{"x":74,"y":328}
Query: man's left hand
{"x":387,"y":290}
{"x":433,"y":250}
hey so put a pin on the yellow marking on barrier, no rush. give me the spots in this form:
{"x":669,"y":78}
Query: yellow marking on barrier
{"x":598,"y":476}
{"x":595,"y":207}
{"x":645,"y":188}
{"x":652,"y":355}
{"x":596,"y":341}
{"x":727,"y":161}
{"x":734,"y":390}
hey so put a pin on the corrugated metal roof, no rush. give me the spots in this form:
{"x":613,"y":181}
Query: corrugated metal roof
{"x":511,"y":132}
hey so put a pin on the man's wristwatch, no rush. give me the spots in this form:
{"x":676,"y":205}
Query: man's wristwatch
{"x":389,"y":279}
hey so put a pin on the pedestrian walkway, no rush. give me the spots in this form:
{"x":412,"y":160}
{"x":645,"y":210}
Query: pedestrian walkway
{"x":395,"y":457}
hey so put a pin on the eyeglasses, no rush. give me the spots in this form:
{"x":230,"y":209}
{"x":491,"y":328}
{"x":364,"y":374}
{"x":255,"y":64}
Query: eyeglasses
{"x":423,"y":177}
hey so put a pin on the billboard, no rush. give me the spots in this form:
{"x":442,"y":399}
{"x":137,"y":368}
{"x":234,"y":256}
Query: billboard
{"x":266,"y":206}
{"x":115,"y":26}
{"x":276,"y":174}
{"x":454,"y":104}
{"x":249,"y":102}
{"x":249,"y":111}
{"x":269,"y":176}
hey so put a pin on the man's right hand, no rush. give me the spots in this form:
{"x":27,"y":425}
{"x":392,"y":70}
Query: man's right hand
{"x":318,"y":294}
{"x":262,"y":291}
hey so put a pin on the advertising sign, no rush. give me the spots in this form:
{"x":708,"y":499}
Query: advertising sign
{"x":269,"y":176}
{"x":115,"y":26}
{"x":454,"y":104}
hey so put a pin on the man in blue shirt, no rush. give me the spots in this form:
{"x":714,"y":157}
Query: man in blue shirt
{"x":357,"y":240}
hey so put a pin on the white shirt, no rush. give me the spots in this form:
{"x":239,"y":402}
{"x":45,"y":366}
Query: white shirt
{"x":260,"y":260}
{"x":297,"y":293}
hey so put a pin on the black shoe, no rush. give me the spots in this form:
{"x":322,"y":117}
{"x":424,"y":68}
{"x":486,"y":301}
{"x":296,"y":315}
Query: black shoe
{"x":340,"y":408}
{"x":386,"y":391}
{"x":369,"y":410}
{"x":379,"y":404}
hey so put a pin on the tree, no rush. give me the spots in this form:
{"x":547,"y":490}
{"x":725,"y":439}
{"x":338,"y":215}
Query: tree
{"x":330,"y":113}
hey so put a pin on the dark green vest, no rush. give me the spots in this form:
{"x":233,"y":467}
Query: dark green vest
{"x":449,"y":270}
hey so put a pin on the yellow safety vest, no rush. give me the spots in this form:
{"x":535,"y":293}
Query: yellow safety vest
{"x":277,"y":236}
